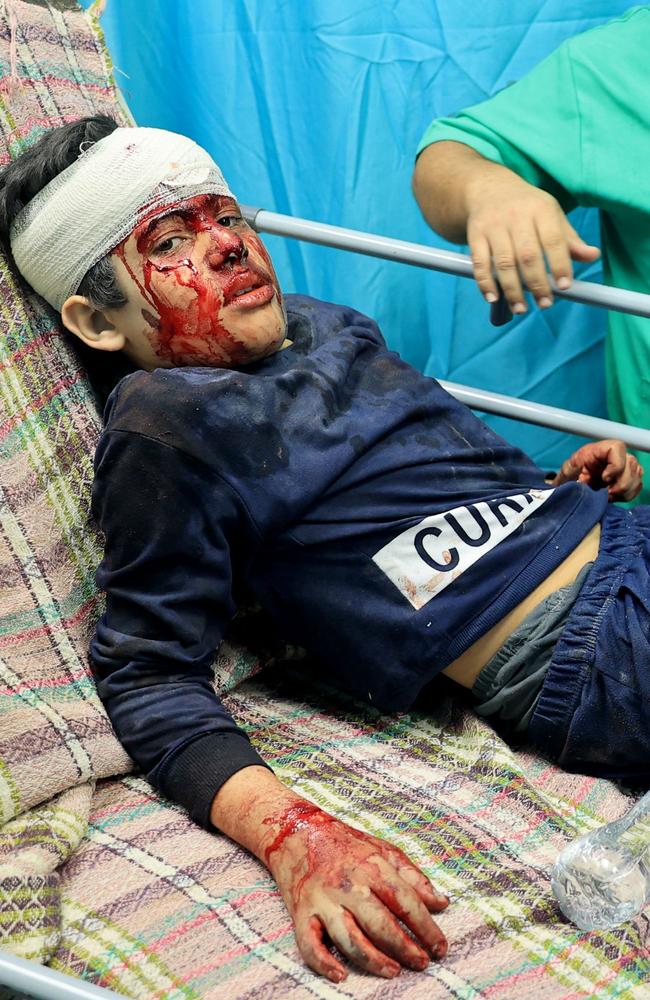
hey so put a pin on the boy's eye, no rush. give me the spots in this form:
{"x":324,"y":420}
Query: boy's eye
{"x":168,"y":245}
{"x":229,"y":220}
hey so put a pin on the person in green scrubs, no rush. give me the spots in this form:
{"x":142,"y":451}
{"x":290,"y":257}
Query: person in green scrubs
{"x":501,"y":175}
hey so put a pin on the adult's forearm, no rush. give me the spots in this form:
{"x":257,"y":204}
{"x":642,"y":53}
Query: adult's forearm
{"x":444,"y":182}
{"x":515,"y":231}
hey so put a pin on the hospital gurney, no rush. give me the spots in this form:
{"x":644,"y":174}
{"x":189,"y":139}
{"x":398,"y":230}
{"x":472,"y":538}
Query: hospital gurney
{"x":112,"y":885}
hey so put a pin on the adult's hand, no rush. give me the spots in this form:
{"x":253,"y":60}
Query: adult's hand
{"x":604,"y":464}
{"x":345,"y":886}
{"x":517,"y":231}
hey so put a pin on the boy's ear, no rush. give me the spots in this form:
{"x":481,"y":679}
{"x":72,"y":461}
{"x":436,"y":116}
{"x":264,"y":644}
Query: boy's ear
{"x":90,"y":325}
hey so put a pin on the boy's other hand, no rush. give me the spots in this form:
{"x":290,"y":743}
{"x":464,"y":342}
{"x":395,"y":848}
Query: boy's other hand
{"x":604,"y":465}
{"x":349,"y":888}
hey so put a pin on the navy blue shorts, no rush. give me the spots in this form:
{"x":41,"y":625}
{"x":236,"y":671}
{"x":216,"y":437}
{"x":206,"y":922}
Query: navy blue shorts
{"x":593,"y":714}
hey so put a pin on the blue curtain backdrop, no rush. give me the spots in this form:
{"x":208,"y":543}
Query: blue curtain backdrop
{"x":315,"y":107}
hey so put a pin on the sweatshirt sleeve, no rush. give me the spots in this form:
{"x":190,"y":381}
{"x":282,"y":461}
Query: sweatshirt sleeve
{"x":172,"y":529}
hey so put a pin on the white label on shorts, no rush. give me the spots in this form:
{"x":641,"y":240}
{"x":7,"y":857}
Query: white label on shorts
{"x":426,"y":558}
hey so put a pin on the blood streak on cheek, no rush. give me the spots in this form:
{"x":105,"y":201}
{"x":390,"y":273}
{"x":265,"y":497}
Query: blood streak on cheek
{"x":151,"y":319}
{"x":189,"y":330}
{"x":193,"y":328}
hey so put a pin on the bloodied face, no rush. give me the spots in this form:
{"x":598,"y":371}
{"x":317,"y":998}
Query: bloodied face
{"x":201,"y":288}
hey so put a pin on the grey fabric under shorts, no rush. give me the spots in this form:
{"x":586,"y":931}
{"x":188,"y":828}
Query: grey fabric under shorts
{"x":508,"y":688}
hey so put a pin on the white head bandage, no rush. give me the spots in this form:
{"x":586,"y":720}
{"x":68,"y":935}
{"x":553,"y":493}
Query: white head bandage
{"x":95,"y":203}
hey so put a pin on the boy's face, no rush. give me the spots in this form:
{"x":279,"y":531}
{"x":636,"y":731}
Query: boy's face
{"x":201,"y":289}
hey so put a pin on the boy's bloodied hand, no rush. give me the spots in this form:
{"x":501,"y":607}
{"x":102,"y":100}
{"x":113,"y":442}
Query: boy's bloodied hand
{"x":604,"y":465}
{"x":340,"y":885}
{"x":346,"y":887}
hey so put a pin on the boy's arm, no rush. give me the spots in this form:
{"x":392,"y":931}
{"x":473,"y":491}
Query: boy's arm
{"x":172,"y":528}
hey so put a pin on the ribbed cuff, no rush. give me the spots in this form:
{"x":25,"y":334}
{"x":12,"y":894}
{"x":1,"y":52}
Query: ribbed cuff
{"x":197,"y":772}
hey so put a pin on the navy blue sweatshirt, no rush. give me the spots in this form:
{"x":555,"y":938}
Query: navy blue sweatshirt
{"x":378,"y":521}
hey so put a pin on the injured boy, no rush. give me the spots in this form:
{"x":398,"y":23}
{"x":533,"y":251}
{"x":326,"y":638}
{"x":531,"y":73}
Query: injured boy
{"x":275,"y":442}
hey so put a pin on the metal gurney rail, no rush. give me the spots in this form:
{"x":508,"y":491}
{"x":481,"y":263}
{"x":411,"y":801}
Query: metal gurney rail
{"x":586,"y":292}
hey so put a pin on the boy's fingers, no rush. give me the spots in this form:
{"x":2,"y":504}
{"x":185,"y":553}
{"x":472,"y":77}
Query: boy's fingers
{"x":628,"y":485}
{"x":351,"y":941}
{"x":316,"y":954}
{"x":430,"y":896}
{"x":379,"y":924}
{"x":605,"y":463}
{"x":434,"y":900}
{"x":611,"y":456}
{"x":617,"y":457}
{"x":414,"y":876}
{"x":612,"y":473}
{"x":406,"y":904}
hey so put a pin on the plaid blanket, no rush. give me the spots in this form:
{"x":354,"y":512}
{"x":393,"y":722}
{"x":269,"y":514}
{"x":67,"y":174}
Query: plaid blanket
{"x":101,"y":878}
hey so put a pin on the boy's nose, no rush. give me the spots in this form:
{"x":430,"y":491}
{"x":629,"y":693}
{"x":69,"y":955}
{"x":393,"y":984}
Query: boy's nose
{"x":226,"y":247}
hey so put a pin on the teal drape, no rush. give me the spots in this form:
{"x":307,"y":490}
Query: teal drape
{"x":315,"y":109}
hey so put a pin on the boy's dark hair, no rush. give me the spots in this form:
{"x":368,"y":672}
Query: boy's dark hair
{"x":20,"y":181}
{"x":25,"y":176}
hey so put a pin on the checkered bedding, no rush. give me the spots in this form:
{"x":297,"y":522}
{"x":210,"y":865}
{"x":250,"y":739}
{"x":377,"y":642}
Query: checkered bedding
{"x":101,"y":878}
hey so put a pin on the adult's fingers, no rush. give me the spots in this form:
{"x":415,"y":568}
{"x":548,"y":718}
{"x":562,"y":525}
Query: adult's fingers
{"x":629,"y":483}
{"x":482,"y":266}
{"x":554,"y":237}
{"x":507,"y":272}
{"x":406,"y":904}
{"x":598,"y":464}
{"x":636,"y":485}
{"x":531,"y":263}
{"x":578,"y":248}
{"x":351,"y":941}
{"x":312,"y":947}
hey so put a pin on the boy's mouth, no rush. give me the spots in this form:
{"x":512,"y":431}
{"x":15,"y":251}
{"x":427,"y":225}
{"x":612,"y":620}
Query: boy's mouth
{"x":253,"y":297}
{"x":247,"y":289}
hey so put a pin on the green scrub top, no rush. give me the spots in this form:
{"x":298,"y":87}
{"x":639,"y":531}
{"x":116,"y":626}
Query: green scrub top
{"x":578,"y":126}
